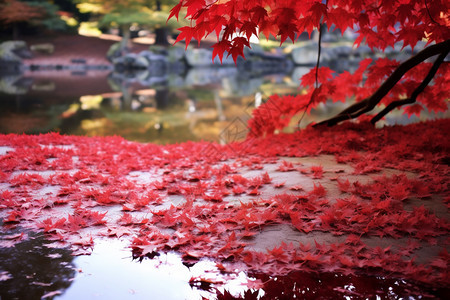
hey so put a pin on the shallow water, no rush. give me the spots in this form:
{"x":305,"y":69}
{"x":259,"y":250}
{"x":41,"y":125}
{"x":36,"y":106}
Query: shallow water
{"x":34,"y":268}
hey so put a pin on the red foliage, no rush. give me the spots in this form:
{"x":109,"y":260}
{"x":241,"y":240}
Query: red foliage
{"x":379,"y":25}
{"x":14,"y":11}
{"x":104,"y":198}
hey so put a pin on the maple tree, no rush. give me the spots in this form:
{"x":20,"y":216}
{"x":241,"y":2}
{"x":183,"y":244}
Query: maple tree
{"x":34,"y":13}
{"x":379,"y":24}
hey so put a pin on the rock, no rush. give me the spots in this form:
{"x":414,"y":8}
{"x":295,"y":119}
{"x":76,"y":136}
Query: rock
{"x":131,"y":61}
{"x":46,"y":48}
{"x":203,"y":76}
{"x":200,"y":57}
{"x":114,"y":51}
{"x":14,"y":85}
{"x":13,"y":51}
{"x":305,"y":54}
{"x":175,"y":54}
{"x":10,"y":67}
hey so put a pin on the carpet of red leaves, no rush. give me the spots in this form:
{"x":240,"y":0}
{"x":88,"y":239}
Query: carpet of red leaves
{"x":208,"y":200}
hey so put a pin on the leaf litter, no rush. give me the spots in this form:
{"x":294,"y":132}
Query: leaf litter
{"x":317,"y":183}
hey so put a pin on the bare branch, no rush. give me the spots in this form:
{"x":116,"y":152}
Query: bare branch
{"x":369,"y":103}
{"x":415,"y":93}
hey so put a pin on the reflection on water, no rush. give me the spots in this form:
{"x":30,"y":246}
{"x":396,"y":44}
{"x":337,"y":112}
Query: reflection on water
{"x":33,"y":268}
{"x":111,"y":273}
{"x":192,"y":106}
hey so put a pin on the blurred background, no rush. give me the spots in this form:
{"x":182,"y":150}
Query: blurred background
{"x":110,"y":68}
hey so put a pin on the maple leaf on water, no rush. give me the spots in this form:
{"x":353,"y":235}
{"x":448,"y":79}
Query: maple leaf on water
{"x":308,"y":258}
{"x":297,"y":187}
{"x":344,"y":186}
{"x":317,"y":171}
{"x":286,"y":166}
{"x":399,"y":192}
{"x":126,"y":219}
{"x":92,"y":217}
{"x":279,"y":184}
{"x":440,"y":263}
{"x":159,"y":185}
{"x":255,"y":182}
{"x":237,"y":190}
{"x":118,"y":231}
{"x":215,"y":196}
{"x":384,"y":205}
{"x":27,"y":179}
{"x":75,"y":223}
{"x":346,"y":260}
{"x":13,"y":217}
{"x":301,"y":225}
{"x":353,"y":239}
{"x":86,"y":241}
{"x":49,"y":226}
{"x":318,"y":191}
{"x":254,"y":192}
{"x":279,"y":254}
{"x":305,"y":248}
{"x":266,"y":179}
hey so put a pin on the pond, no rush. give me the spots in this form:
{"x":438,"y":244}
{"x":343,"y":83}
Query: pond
{"x":196,"y":105}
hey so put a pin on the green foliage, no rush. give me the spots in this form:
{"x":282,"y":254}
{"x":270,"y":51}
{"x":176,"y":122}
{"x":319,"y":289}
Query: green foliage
{"x":51,"y":19}
{"x":133,"y":12}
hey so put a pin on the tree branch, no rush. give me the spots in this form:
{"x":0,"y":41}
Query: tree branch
{"x":416,"y":92}
{"x":369,"y":103}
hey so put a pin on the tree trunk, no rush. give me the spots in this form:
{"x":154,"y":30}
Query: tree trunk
{"x":161,"y":36}
{"x":15,"y":31}
{"x":125,"y":43}
{"x":162,"y":98}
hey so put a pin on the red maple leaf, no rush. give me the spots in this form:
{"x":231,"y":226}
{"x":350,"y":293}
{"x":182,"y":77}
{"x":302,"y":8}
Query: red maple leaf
{"x":250,"y":29}
{"x":318,"y":191}
{"x":220,"y":48}
{"x":279,"y":184}
{"x":187,"y":33}
{"x":193,"y":6}
{"x":175,"y":11}
{"x":279,"y":254}
{"x":317,"y":171}
{"x":237,"y":49}
{"x":414,"y":109}
{"x":323,"y":75}
{"x":344,"y":186}
{"x":286,"y":166}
